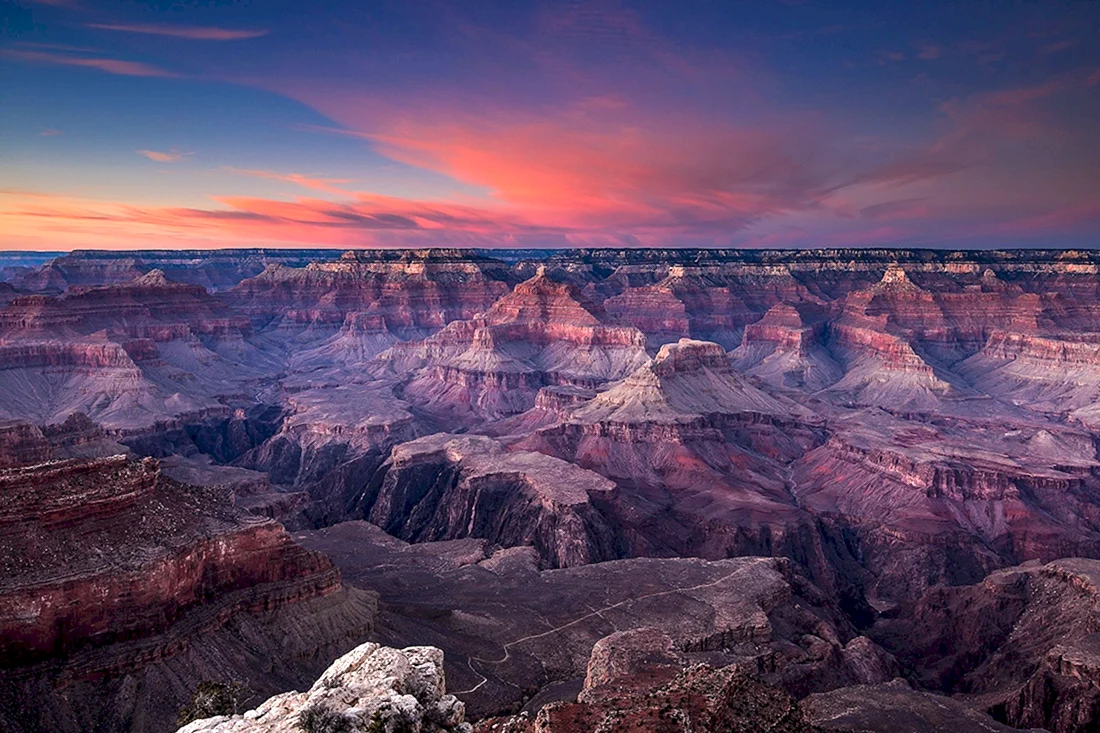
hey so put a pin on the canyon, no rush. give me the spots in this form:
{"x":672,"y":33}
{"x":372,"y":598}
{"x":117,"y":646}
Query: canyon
{"x":834,"y":487}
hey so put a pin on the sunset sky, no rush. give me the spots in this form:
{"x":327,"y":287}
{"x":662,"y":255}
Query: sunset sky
{"x":549,"y":124}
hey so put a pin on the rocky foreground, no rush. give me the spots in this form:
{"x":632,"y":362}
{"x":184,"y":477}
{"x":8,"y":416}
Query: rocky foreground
{"x":371,"y":688}
{"x":634,"y":683}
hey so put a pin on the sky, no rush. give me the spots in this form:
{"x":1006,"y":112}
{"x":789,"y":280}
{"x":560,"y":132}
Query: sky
{"x":572,"y":123}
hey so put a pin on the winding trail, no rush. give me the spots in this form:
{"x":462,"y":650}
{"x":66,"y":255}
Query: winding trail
{"x":597,"y":613}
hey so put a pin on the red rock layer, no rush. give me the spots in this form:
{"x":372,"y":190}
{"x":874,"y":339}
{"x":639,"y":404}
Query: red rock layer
{"x":22,"y":444}
{"x":86,"y":355}
{"x":214,"y":269}
{"x":105,"y":550}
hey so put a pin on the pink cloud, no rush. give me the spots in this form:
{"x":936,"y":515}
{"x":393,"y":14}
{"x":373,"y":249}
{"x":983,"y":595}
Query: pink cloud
{"x":914,"y":208}
{"x":1077,"y":217}
{"x":171,"y":156}
{"x":111,"y":66}
{"x":602,"y":165}
{"x":1056,"y":47}
{"x":192,"y":32}
{"x":360,"y":220}
{"x":315,"y":183}
{"x":929,"y":51}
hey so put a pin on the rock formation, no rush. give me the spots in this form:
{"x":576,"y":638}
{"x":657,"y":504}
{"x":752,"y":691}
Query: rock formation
{"x":370,"y":688}
{"x":448,"y":487}
{"x":895,"y":707}
{"x":415,"y":292}
{"x":542,"y":333}
{"x":698,"y":698}
{"x":215,"y":269}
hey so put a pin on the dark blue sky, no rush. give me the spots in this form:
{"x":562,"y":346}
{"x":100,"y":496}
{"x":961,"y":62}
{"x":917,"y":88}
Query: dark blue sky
{"x":813,"y":123}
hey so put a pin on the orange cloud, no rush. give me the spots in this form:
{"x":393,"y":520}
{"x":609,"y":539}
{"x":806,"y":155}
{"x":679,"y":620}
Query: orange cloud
{"x":192,"y":32}
{"x":28,"y":218}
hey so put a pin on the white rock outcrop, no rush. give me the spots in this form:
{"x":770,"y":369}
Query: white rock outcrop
{"x":371,"y":688}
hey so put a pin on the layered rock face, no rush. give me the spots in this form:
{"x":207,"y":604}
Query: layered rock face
{"x":416,"y":292}
{"x":951,"y":501}
{"x":1022,"y":644}
{"x":214,"y":269}
{"x":22,"y":444}
{"x":113,"y":575}
{"x":448,"y":487}
{"x":542,"y":333}
{"x":128,"y":355}
{"x":785,"y":348}
{"x":701,"y":456}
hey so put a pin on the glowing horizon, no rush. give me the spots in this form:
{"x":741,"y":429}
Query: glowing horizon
{"x":555,"y":124}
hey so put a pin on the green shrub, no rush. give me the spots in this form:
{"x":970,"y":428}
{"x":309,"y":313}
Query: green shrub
{"x":318,"y":718}
{"x":211,"y":699}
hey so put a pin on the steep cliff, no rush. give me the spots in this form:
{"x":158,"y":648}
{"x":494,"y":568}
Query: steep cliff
{"x":115,"y":577}
{"x":1021,"y":644}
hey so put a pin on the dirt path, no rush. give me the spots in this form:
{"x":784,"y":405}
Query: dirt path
{"x":598,"y":613}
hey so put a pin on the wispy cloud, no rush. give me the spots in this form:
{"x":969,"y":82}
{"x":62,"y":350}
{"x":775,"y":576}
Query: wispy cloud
{"x":109,"y":65}
{"x":1056,"y":47}
{"x":157,"y":156}
{"x":315,"y":183}
{"x":888,"y":56}
{"x":68,"y":48}
{"x":929,"y":51}
{"x":49,"y":132}
{"x":192,"y":32}
{"x":358,"y":220}
{"x":68,"y":4}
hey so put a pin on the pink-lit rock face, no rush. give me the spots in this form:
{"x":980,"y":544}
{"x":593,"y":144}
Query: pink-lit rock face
{"x":543,"y":333}
{"x":889,"y":423}
{"x":417,"y":292}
